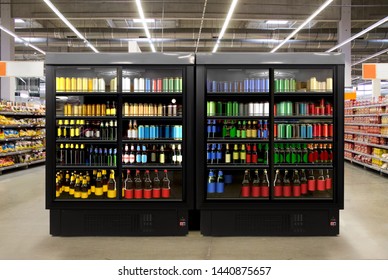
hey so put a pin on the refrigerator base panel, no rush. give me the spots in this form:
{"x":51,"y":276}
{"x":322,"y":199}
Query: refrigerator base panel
{"x":323,"y":222}
{"x":99,"y":222}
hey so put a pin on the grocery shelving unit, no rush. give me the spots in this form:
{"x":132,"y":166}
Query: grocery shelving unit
{"x":276,"y":209}
{"x":13,"y":155}
{"x":113,"y":212}
{"x":366,"y":129}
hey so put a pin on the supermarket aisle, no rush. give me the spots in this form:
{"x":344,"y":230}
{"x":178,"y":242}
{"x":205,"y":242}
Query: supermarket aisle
{"x":24,"y":230}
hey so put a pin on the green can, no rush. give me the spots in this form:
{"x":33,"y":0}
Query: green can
{"x":180,"y":84}
{"x":289,"y":131}
{"x":288,"y":108}
{"x":286,"y":85}
{"x":176,"y":84}
{"x":292,"y":85}
{"x":165,"y":84}
{"x":219,"y":108}
{"x":276,"y":85}
{"x":235,"y":109}
{"x":281,"y":85}
{"x":281,"y":130}
{"x":212,"y":108}
{"x":171,"y":84}
{"x":229,"y":109}
{"x":208,"y":108}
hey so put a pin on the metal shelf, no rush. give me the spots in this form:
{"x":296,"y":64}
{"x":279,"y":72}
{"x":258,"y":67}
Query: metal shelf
{"x":238,"y":93}
{"x":86,"y":93}
{"x":304,"y":117}
{"x":15,"y":153}
{"x":87,"y":141}
{"x":368,"y":106}
{"x":364,"y":115}
{"x":367,"y":155}
{"x":237,"y":117}
{"x":367,"y":124}
{"x":149,"y":166}
{"x":303,"y":94}
{"x":237,"y":140}
{"x":152,"y":94}
{"x":18,"y":165}
{"x":16,"y":139}
{"x":84,"y":167}
{"x":367,"y":143}
{"x":367,"y":165}
{"x":154,"y":118}
{"x":18,"y":126}
{"x":303,"y":141}
{"x":153,"y":141}
{"x":367,"y":134}
{"x":233,"y":166}
{"x":304,"y":166}
{"x":21,"y":115}
{"x":86,"y":117}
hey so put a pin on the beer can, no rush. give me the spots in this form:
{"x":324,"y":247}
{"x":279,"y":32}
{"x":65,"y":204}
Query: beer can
{"x":328,"y":109}
{"x":214,"y":86}
{"x":235,"y":86}
{"x":241,"y":109}
{"x":311,"y":109}
{"x":319,"y":130}
{"x":288,"y":111}
{"x":258,"y":87}
{"x":292,"y":85}
{"x":325,"y":130}
{"x":240,"y":86}
{"x":281,"y":131}
{"x":315,"y":130}
{"x":159,"y":85}
{"x":296,"y":131}
{"x":266,"y":84}
{"x":250,"y":109}
{"x":276,"y":85}
{"x":317,"y":111}
{"x":147,"y":84}
{"x":207,"y":108}
{"x":212,"y":108}
{"x":309,"y":134}
{"x":275,"y":130}
{"x":246,"y":85}
{"x":331,"y":126}
{"x":209,"y":86}
{"x":229,"y":109}
{"x":275,"y":109}
{"x":176,"y":85}
{"x":154,"y":85}
{"x":171,"y":84}
{"x":225,"y":86}
{"x":219,"y":108}
{"x":180,"y":84}
{"x":262,"y":85}
{"x":281,"y":85}
{"x":286,"y":85}
{"x":289,"y":131}
{"x":235,"y":109}
{"x":165,"y":85}
{"x":303,"y":131}
{"x":252,"y":85}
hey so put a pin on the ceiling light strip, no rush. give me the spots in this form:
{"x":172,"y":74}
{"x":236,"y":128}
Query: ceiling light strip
{"x":65,"y":21}
{"x":143,"y":20}
{"x":310,"y":18}
{"x":380,"y":22}
{"x":371,"y":56}
{"x":9,"y":32}
{"x":226,"y":23}
{"x":201,"y":25}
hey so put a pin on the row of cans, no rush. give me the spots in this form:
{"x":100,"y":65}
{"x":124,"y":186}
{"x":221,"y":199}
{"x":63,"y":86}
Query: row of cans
{"x":303,"y":131}
{"x":234,"y":108}
{"x":285,"y":85}
{"x":288,"y":108}
{"x":172,"y":84}
{"x":159,"y":132}
{"x":246,"y":85}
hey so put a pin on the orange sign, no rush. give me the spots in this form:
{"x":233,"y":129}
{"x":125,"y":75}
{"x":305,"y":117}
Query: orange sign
{"x":2,"y":68}
{"x":369,"y":71}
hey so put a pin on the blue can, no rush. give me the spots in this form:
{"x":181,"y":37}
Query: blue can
{"x":303,"y":131}
{"x":266,"y":84}
{"x":147,"y":84}
{"x":262,"y":85}
{"x":167,"y":131}
{"x":219,"y":153}
{"x":209,"y":128}
{"x":208,"y":154}
{"x":152,"y":132}
{"x":141,"y":131}
{"x":156,"y":132}
{"x":209,"y":86}
{"x":138,"y":154}
{"x":146,"y":132}
{"x":213,"y":128}
{"x":252,"y":85}
{"x":144,"y":155}
{"x":180,"y":132}
{"x":246,"y":85}
{"x":309,"y":131}
{"x":257,"y":85}
{"x":225,"y":87}
{"x":214,"y":86}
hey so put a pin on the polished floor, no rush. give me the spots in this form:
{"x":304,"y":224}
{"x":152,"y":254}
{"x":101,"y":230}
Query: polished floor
{"x":24,"y":230}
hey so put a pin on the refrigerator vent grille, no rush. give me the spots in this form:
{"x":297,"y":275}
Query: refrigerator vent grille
{"x":298,"y":223}
{"x":254,"y":223}
{"x":124,"y":223}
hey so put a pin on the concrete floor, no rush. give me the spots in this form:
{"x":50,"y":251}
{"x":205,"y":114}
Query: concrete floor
{"x":24,"y":227}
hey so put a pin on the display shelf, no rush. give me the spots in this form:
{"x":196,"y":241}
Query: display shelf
{"x":152,"y":94}
{"x":367,"y":106}
{"x":37,"y":161}
{"x":367,"y":165}
{"x":237,"y":117}
{"x":86,"y":93}
{"x":19,"y":165}
{"x":237,"y":140}
{"x":303,"y":198}
{"x":152,"y":141}
{"x":364,"y":115}
{"x":304,"y":117}
{"x":87,"y":141}
{"x":18,"y":126}
{"x":84,"y":167}
{"x":150,"y":166}
{"x":16,"y":153}
{"x":10,"y":114}
{"x":58,"y":117}
{"x":304,"y":166}
{"x":238,"y":94}
{"x":15,"y":139}
{"x":367,"y":155}
{"x":234,"y":166}
{"x":303,"y":94}
{"x":367,"y":124}
{"x":367,"y":134}
{"x":367,"y":144}
{"x":154,"y":118}
{"x":303,"y":140}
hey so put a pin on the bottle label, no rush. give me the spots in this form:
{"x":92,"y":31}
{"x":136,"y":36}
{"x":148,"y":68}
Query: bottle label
{"x":131,"y":158}
{"x":227,"y":158}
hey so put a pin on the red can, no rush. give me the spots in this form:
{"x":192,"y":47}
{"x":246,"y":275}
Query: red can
{"x":318,"y":130}
{"x":277,"y":191}
{"x":159,"y":85}
{"x":275,"y":110}
{"x":296,"y":190}
{"x":311,"y":109}
{"x":331,"y":126}
{"x":328,"y":109}
{"x":317,"y":111}
{"x":275,"y":130}
{"x":322,"y":104}
{"x":245,"y":191}
{"x":303,"y":188}
{"x":325,"y":130}
{"x":154,"y":85}
{"x":287,"y":191}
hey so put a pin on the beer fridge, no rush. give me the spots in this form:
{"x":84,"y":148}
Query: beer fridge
{"x":119,"y":138}
{"x":269,"y":141}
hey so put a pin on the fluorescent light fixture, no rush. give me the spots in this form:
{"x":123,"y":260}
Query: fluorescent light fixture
{"x":310,"y":18}
{"x":371,"y":56}
{"x":65,"y":21}
{"x":147,"y":20}
{"x":9,"y":32}
{"x":19,"y":20}
{"x":143,"y":20}
{"x":276,"y":22}
{"x":380,"y":22}
{"x":226,"y":23}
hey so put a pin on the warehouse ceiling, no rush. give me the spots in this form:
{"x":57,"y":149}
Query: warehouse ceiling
{"x":176,"y":26}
